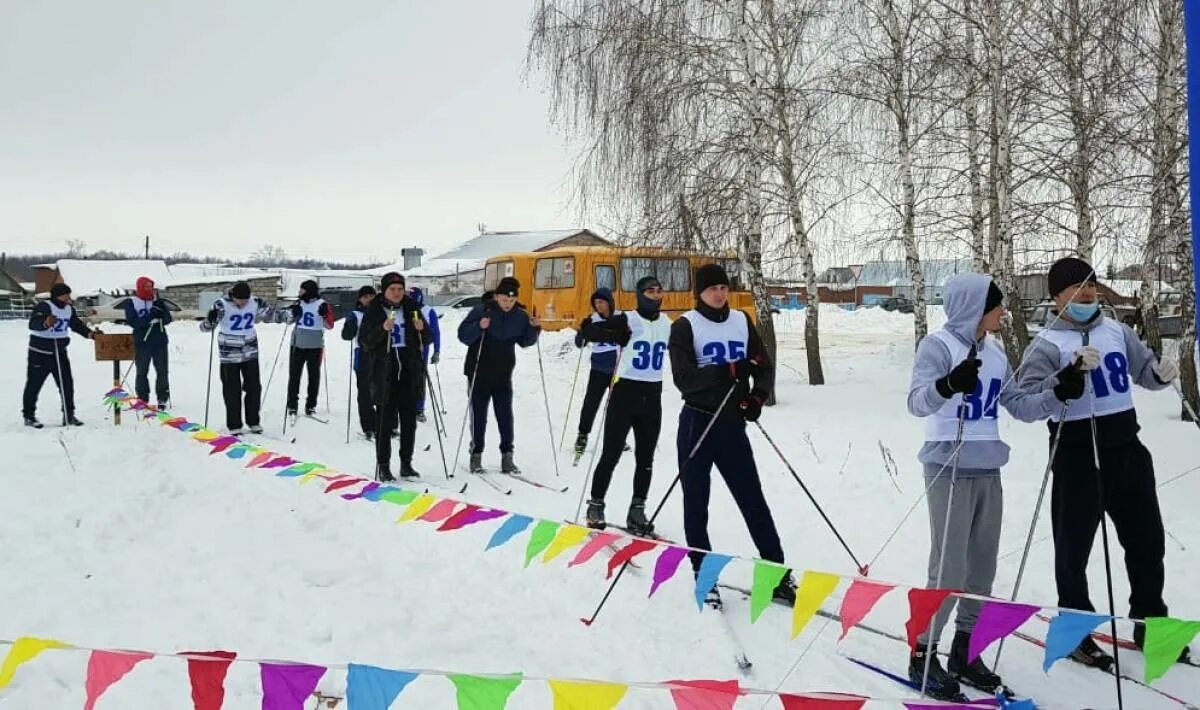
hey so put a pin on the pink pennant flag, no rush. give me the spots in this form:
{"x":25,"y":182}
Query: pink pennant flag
{"x":105,"y":668}
{"x":704,"y":694}
{"x":598,"y":542}
{"x":861,"y":597}
{"x":666,"y":566}
{"x":923,"y":604}
{"x":472,"y":517}
{"x":997,"y":620}
{"x":260,"y":459}
{"x":441,"y":510}
{"x":635,"y":547}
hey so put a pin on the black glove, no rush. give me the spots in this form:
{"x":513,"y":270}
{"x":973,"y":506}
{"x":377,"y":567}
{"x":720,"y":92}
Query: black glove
{"x":740,"y":370}
{"x":435,"y":358}
{"x":621,"y":336}
{"x":751,"y":407}
{"x":1071,"y":384}
{"x":323,"y":309}
{"x":295,"y":310}
{"x":156,"y":311}
{"x":213,"y":315}
{"x":964,"y":378}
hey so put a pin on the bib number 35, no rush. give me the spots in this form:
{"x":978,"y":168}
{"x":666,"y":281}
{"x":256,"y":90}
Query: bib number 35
{"x":719,"y":353}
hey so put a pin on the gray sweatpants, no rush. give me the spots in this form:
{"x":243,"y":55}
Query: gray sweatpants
{"x":976,"y":512}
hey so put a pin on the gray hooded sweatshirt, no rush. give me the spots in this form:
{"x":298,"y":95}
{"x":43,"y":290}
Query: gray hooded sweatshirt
{"x":965,"y":297}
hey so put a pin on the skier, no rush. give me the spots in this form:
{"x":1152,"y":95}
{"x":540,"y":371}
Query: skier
{"x":311,"y":317}
{"x":237,"y":342}
{"x":393,"y":333}
{"x":435,"y":347}
{"x":1124,"y":488}
{"x":48,"y":341}
{"x":603,"y":360}
{"x":490,"y":331}
{"x":362,"y":363}
{"x":636,"y":400}
{"x":715,"y":350}
{"x":146,"y":313}
{"x":958,"y":379}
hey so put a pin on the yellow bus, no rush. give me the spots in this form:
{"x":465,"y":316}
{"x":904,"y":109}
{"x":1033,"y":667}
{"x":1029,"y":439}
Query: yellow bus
{"x":557,"y":284}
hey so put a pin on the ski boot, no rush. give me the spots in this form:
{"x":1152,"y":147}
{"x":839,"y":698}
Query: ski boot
{"x":421,"y":417}
{"x":256,"y":429}
{"x":476,"y":463}
{"x":974,"y":673}
{"x":636,"y":520}
{"x":33,"y":423}
{"x":369,"y":435}
{"x":595,"y":514}
{"x":1089,"y":654}
{"x":72,"y":420}
{"x":237,"y":431}
{"x":164,"y":406}
{"x":310,"y":411}
{"x":383,"y":474}
{"x":407,"y":471}
{"x":940,"y":685}
{"x":506,"y":463}
{"x":1139,"y":639}
{"x":291,"y":417}
{"x":580,"y":447}
{"x":785,"y":591}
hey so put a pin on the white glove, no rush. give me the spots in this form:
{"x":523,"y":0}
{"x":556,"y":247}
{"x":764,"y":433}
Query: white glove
{"x":1166,"y":371}
{"x":1088,"y":357}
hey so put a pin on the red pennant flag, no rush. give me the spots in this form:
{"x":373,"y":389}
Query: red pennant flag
{"x":705,"y":694}
{"x":923,"y":604}
{"x":627,"y":553}
{"x":459,"y":519}
{"x":822,"y":701}
{"x":344,"y":483}
{"x":208,"y":678}
{"x":860,"y":599}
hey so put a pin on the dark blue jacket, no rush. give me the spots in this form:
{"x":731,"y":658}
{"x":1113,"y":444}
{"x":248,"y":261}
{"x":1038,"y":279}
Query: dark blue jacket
{"x":148,"y":335}
{"x":604,"y":361}
{"x":505,"y":331}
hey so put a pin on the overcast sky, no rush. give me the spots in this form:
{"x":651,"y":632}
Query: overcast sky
{"x":345,"y":130}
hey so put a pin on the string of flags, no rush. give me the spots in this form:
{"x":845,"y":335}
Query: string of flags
{"x":547,"y":539}
{"x":287,"y":685}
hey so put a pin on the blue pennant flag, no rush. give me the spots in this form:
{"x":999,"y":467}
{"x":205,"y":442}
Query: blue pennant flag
{"x":511,"y":527}
{"x":1067,"y":631}
{"x":371,"y":688}
{"x":706,"y":578}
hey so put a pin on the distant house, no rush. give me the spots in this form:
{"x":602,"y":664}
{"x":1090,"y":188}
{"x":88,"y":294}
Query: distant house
{"x":894,"y":275}
{"x":460,"y":270}
{"x":189,"y":285}
{"x":16,"y":298}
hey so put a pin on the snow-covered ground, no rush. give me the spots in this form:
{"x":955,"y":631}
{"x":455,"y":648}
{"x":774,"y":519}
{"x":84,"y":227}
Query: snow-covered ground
{"x":133,"y":537}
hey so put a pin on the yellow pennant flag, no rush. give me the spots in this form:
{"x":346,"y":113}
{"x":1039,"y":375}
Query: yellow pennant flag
{"x":305,"y":478}
{"x":23,"y":650}
{"x":568,"y":536}
{"x":586,"y":696}
{"x":417,"y":508}
{"x":205,"y":435}
{"x":815,"y":588}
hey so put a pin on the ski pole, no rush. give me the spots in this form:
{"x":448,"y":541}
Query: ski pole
{"x":470,"y":408}
{"x":570,"y":401}
{"x":436,"y":415}
{"x":1186,"y":404}
{"x":437,"y":375}
{"x":863,"y":570}
{"x":612,"y":381}
{"x":325,"y":376}
{"x":212,"y":338}
{"x":349,"y":391}
{"x":546,"y":401}
{"x":62,"y":392}
{"x":278,"y":352}
{"x":658,"y":509}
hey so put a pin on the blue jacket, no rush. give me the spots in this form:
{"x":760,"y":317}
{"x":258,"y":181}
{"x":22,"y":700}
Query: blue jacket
{"x":147,"y":334}
{"x":435,"y":331}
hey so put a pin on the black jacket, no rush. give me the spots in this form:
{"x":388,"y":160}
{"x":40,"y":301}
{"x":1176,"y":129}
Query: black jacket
{"x":704,"y":387}
{"x":37,"y":324}
{"x":391,"y":364}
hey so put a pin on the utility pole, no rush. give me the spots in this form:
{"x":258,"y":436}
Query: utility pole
{"x":147,"y":247}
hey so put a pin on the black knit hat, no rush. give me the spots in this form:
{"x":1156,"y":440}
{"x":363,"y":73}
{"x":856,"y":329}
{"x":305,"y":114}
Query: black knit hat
{"x":390,"y":278}
{"x":366,"y":291}
{"x":648,"y":282}
{"x":241,"y":289}
{"x":1069,"y":272}
{"x":309,"y":289}
{"x":995,"y":297}
{"x":710,"y":275}
{"x":508,"y":286}
{"x":58,"y":290}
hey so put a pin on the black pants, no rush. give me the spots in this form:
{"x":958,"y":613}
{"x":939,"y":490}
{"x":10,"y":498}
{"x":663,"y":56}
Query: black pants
{"x":1076,"y":506}
{"x":396,"y":403}
{"x":501,"y":397}
{"x":238,"y":378}
{"x":728,"y":447}
{"x":300,"y":361}
{"x":423,"y":381}
{"x":637,"y":406}
{"x":597,"y":385}
{"x":142,"y":360}
{"x":41,"y":366}
{"x":366,"y":398}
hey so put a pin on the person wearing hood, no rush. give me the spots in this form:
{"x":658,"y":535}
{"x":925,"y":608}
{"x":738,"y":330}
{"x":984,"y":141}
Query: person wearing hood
{"x":50,"y":324}
{"x":636,"y":402}
{"x":1124,"y":488}
{"x":361,"y":362}
{"x":430,"y":354}
{"x":233,"y":317}
{"x":311,"y":317}
{"x":958,"y":379}
{"x":393,"y":334}
{"x":148,"y":315}
{"x":491,"y":332}
{"x":721,"y":368}
{"x":594,"y":330}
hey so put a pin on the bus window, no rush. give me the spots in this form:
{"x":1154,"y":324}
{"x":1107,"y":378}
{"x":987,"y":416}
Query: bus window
{"x":606,"y":277}
{"x":492,"y":273}
{"x":674,"y":274}
{"x":633,"y":269}
{"x":555,"y":273}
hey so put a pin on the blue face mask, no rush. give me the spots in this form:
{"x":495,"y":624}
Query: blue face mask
{"x":1082,"y":312}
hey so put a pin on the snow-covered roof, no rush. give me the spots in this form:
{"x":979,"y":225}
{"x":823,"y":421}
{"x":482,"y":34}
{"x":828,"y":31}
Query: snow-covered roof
{"x":472,"y":254}
{"x":1130,"y":287}
{"x":895,"y":273}
{"x":87,"y":277}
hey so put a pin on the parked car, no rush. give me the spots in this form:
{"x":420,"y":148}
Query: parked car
{"x":1043,"y":314}
{"x":897,"y":303}
{"x":453,"y":301}
{"x":114,"y":311}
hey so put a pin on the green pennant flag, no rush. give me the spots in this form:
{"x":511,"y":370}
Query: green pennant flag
{"x":476,"y":693}
{"x":1165,"y":639}
{"x":399,"y":497}
{"x":766,"y":578}
{"x":541,"y":537}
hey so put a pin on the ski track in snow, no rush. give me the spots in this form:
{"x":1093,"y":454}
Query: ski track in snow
{"x":154,"y":545}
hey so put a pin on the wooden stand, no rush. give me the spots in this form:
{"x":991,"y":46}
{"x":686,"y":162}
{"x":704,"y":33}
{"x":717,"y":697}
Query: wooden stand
{"x":114,"y":349}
